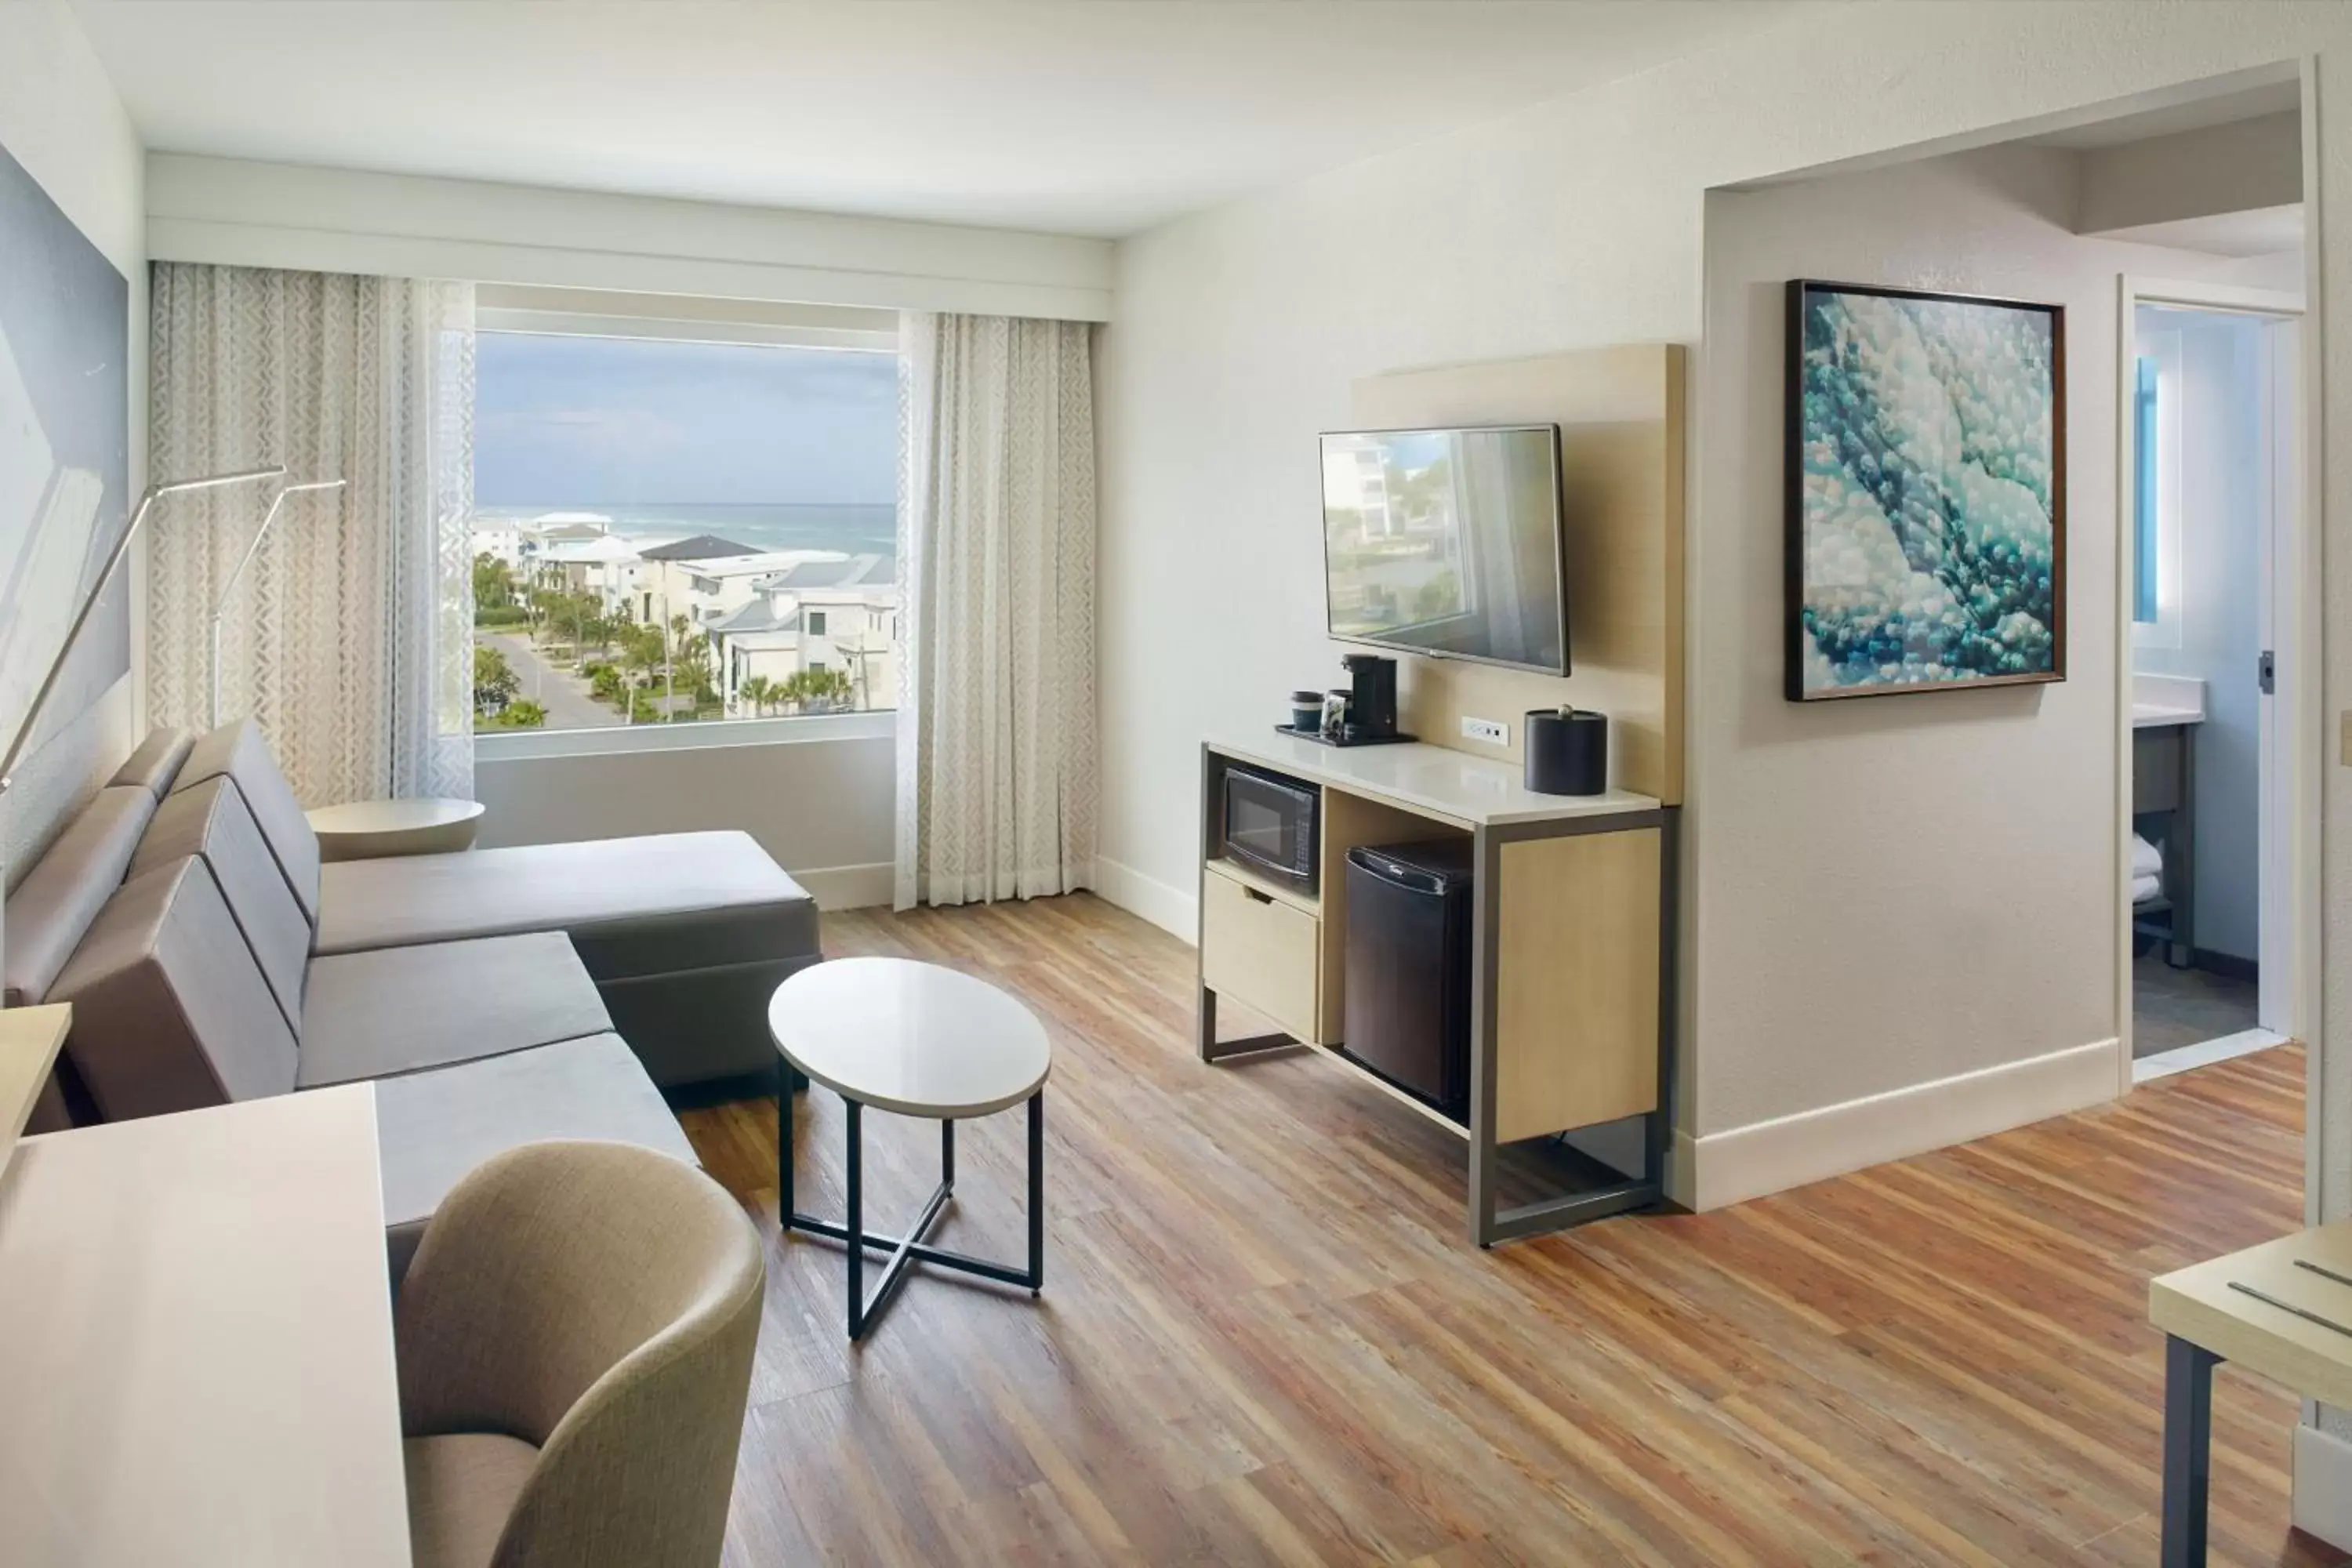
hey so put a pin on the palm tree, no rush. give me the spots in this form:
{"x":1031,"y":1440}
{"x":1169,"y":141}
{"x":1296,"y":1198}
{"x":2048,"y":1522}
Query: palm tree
{"x":759,"y":691}
{"x":817,"y":690}
{"x":641,"y":653}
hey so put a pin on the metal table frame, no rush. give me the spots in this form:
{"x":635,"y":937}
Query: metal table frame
{"x":2188,"y":1449}
{"x":915,"y":1245}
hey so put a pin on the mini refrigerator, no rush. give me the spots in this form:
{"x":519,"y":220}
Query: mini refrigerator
{"x":1408,"y":990}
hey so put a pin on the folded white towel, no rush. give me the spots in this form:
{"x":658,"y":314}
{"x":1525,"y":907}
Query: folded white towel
{"x":2146,"y":888}
{"x":2148,"y":860}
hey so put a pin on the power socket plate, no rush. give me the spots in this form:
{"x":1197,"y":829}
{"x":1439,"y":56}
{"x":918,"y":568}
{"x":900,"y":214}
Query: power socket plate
{"x":1485,"y":729}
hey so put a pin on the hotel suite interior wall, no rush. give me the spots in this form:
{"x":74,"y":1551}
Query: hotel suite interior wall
{"x":1581,"y":222}
{"x":59,"y":118}
{"x":1947,"y":858}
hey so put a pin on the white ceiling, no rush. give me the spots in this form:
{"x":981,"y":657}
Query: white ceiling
{"x":1078,"y":117}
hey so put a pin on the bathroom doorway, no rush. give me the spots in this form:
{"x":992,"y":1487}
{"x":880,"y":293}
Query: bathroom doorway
{"x":2220,"y":602}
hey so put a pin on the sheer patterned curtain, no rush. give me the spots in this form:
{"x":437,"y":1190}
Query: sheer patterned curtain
{"x":349,"y":636}
{"x":996,"y":545}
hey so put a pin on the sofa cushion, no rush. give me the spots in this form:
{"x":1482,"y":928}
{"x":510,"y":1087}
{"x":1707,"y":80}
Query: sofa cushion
{"x":51,"y":910}
{"x":210,"y":820}
{"x":632,"y":906}
{"x":157,"y":762}
{"x":434,"y":1127}
{"x":170,"y":1011}
{"x":238,"y":752}
{"x":462,"y":1489}
{"x":403,"y":1009}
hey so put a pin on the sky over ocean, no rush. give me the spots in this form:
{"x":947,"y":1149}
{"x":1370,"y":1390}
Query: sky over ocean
{"x":629,"y":426}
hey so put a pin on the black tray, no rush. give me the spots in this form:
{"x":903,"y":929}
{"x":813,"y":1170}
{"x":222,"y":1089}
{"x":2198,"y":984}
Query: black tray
{"x":1320,"y":739}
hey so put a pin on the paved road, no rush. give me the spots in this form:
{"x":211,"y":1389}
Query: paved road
{"x":564,"y":695}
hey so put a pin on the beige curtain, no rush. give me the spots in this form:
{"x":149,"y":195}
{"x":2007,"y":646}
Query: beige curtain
{"x":350,"y":635}
{"x":997,"y":791}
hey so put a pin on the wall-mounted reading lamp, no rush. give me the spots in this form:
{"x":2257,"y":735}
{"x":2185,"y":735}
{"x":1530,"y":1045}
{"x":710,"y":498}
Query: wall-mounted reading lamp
{"x":228,"y":590}
{"x":73,"y":633}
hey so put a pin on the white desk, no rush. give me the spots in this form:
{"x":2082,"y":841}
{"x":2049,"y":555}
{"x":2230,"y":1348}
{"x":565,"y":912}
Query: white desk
{"x":195,"y":1343}
{"x":30,"y":1038}
{"x":2208,"y":1317}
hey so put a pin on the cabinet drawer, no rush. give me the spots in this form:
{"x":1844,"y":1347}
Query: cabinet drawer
{"x":1260,"y":951}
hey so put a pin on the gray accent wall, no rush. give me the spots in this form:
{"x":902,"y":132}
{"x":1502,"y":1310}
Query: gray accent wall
{"x":62,"y":122}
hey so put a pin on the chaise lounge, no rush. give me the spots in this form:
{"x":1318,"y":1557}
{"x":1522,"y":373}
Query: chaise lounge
{"x":185,"y":915}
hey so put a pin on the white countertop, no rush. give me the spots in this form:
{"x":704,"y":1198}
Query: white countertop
{"x":195,"y":1342}
{"x":2162,"y":700}
{"x":1480,"y":791}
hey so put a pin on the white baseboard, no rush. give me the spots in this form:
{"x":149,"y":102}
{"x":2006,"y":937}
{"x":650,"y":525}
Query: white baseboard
{"x":1173,"y":910}
{"x":1745,"y":1162}
{"x":2323,"y":1487}
{"x":2163,"y":1064}
{"x":849,"y":887}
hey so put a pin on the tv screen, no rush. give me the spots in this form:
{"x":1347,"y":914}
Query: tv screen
{"x":1447,"y":543}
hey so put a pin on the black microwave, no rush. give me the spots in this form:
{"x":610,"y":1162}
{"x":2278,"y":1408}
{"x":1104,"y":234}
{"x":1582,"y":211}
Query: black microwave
{"x":1271,"y":826}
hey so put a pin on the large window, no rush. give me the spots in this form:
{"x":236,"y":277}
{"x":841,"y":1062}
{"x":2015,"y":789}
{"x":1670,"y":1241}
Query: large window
{"x":672,"y":530}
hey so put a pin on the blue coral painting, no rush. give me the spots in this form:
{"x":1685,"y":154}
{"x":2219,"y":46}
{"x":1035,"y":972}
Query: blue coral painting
{"x":1927,"y":491}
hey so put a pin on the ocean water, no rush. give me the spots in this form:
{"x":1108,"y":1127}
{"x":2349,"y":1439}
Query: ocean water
{"x":855,"y":530}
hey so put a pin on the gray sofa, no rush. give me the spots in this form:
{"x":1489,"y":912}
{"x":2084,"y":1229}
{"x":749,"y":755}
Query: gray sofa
{"x":209,"y":958}
{"x":686,"y":934}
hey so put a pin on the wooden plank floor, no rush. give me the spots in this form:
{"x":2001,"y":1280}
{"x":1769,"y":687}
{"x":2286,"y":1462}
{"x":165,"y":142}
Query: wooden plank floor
{"x":1264,"y":1340}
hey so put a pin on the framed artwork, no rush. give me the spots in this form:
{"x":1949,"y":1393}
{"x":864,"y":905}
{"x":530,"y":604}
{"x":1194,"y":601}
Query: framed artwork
{"x":64,"y":446}
{"x":1925,"y":491}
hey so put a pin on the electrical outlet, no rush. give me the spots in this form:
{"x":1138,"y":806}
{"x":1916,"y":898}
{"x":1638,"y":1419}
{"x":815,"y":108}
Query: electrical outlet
{"x":1485,"y":729}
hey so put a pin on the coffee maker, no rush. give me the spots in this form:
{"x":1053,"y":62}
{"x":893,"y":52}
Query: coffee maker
{"x":1371,"y":699}
{"x":1370,"y":696}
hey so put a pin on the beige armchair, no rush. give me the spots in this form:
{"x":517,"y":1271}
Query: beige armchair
{"x":575,"y":1340}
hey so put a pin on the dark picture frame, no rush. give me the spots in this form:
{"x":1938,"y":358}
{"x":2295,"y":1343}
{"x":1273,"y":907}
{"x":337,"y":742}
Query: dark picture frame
{"x":1965,"y":552}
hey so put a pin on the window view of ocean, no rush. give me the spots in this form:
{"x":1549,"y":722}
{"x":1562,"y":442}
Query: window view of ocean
{"x":591,"y":612}
{"x":853,"y":529}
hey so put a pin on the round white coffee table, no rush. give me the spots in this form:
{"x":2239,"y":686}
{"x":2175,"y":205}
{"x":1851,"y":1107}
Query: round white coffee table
{"x":371,"y":829}
{"x":918,"y":1040}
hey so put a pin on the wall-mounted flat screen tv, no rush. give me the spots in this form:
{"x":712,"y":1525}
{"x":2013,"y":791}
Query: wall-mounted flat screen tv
{"x":1447,"y":543}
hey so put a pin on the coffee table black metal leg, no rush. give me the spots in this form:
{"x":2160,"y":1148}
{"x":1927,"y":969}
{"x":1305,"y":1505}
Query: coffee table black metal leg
{"x":2188,"y":1449}
{"x":915,"y":1247}
{"x":785,"y":1153}
{"x":856,"y":1218}
{"x":1036,"y":1191}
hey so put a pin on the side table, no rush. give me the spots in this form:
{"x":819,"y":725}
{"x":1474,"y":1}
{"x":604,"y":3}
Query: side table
{"x":371,"y":829}
{"x":918,"y":1040}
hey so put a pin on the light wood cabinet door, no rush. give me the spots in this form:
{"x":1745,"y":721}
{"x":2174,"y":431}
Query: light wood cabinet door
{"x":1576,"y":1038}
{"x":1260,"y":952}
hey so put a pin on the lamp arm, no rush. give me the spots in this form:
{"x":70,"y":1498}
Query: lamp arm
{"x":236,"y":574}
{"x":106,"y":575}
{"x":228,"y":589}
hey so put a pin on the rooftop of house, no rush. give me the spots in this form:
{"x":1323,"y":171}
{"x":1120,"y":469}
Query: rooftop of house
{"x":700,"y":547}
{"x":759,"y":615}
{"x":843,"y":572}
{"x":763,"y":563}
